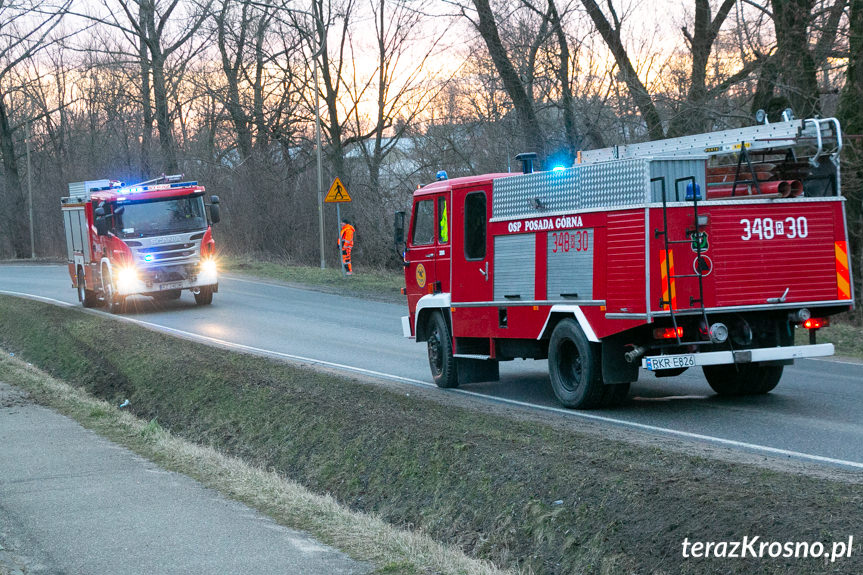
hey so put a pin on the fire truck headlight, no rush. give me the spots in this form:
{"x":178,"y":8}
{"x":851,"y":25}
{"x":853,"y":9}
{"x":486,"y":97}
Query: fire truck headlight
{"x":127,"y":279}
{"x":209,"y":271}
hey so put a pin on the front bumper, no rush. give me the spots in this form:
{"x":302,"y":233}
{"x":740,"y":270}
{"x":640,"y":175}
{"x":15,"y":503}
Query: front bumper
{"x":159,"y":280}
{"x":406,"y":326}
{"x":676,"y":361}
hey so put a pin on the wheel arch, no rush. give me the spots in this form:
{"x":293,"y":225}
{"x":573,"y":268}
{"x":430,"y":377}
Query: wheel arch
{"x":426,"y":306}
{"x":560,"y":312}
{"x":104,"y":264}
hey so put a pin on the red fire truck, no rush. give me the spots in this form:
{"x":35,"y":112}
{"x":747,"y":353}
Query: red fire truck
{"x":152,"y":238}
{"x":708,"y":250}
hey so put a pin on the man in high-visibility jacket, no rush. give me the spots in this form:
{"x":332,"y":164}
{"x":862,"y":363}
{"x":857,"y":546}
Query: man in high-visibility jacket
{"x":346,"y":244}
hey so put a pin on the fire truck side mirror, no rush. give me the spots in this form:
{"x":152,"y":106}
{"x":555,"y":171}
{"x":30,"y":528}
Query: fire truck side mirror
{"x":399,"y":236}
{"x":399,"y":228}
{"x":99,"y":212}
{"x":215,"y":212}
{"x":101,"y":223}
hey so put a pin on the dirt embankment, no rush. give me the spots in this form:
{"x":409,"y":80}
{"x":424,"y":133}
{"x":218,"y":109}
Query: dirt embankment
{"x":513,"y":490}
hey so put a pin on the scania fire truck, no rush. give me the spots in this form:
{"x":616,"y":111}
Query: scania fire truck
{"x":703,"y":251}
{"x":153,"y":238}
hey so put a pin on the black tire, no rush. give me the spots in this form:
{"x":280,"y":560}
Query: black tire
{"x":113,"y":302}
{"x":441,"y":360}
{"x":204,"y":295}
{"x":87,"y":297}
{"x":745,"y":379}
{"x":575,"y":369}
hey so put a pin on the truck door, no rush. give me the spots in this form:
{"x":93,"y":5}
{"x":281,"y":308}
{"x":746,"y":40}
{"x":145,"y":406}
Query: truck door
{"x":473,"y":283}
{"x":421,"y":273}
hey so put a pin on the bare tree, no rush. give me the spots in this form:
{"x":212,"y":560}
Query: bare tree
{"x":25,"y":30}
{"x":146,"y":27}
{"x":611,"y":33}
{"x":401,"y":85}
{"x":515,"y":87}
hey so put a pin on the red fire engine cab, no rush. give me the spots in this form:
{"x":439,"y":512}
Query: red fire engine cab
{"x":153,"y":238}
{"x":707,"y":250}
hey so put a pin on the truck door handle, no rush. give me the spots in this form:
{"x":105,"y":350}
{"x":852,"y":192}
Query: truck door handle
{"x":431,"y":255}
{"x":484,"y":272}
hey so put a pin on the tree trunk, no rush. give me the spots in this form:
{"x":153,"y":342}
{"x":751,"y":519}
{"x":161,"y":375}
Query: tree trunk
{"x":692,"y":117}
{"x":146,"y":105}
{"x":573,"y":139}
{"x":14,"y":205}
{"x":798,"y":72}
{"x":512,"y":83}
{"x":163,"y":119}
{"x":636,"y":88}
{"x":851,"y":115}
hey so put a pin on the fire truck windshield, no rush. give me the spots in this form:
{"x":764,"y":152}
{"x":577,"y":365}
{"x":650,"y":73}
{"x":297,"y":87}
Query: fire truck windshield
{"x":164,"y":216}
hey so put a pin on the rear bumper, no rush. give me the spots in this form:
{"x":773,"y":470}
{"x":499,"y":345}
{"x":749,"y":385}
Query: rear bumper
{"x":657,"y":362}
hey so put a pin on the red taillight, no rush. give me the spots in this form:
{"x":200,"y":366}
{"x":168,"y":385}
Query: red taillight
{"x":667,"y":332}
{"x":816,"y":322}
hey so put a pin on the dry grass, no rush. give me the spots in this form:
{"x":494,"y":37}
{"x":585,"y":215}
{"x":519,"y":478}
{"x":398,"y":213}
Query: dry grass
{"x":361,"y":535}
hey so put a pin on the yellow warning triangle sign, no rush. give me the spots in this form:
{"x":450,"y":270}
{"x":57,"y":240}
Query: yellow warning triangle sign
{"x":338,"y":192}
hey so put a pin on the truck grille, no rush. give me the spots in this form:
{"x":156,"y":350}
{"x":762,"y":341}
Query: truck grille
{"x":171,"y":253}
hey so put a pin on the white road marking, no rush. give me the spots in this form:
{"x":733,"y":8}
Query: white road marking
{"x":832,"y":360}
{"x":558,"y":410}
{"x":37,"y":297}
{"x":668,"y":397}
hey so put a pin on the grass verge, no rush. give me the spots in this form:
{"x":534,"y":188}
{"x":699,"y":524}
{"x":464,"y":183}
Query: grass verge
{"x":362,"y":535}
{"x":381,"y":285}
{"x":533,"y":497}
{"x":847,"y":337}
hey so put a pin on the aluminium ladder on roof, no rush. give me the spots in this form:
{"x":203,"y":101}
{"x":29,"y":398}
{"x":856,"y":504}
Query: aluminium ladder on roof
{"x":817,"y":132}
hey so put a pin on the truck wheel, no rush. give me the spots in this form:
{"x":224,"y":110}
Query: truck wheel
{"x":441,"y":360}
{"x":204,"y":295}
{"x":113,"y":302}
{"x":745,"y":379}
{"x":575,"y":369}
{"x":86,"y":296}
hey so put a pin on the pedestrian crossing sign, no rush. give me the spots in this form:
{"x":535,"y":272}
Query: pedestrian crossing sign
{"x":338,"y":192}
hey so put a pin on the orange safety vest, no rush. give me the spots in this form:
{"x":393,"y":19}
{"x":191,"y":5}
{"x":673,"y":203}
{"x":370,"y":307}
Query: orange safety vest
{"x":346,"y":237}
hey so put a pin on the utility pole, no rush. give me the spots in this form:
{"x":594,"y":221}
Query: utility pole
{"x":30,"y":191}
{"x":318,"y":138}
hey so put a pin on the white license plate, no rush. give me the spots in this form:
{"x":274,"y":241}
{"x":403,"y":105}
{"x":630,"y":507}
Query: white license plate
{"x":172,"y":285}
{"x":670,"y":361}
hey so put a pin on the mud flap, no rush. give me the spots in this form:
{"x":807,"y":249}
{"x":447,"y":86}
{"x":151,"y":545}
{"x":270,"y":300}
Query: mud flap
{"x":615,"y":369}
{"x":474,"y":370}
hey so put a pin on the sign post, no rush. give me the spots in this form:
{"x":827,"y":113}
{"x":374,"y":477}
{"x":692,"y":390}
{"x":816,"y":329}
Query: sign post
{"x":338,"y":194}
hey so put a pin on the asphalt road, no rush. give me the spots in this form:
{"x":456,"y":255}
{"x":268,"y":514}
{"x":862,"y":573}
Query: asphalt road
{"x":815,"y":414}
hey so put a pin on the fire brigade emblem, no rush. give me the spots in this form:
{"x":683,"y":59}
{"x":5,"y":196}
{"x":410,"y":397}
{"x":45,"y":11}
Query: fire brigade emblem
{"x":699,"y":241}
{"x":421,"y":275}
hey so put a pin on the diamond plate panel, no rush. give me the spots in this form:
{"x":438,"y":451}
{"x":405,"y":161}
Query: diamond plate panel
{"x":607,"y":184}
{"x":514,"y":196}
